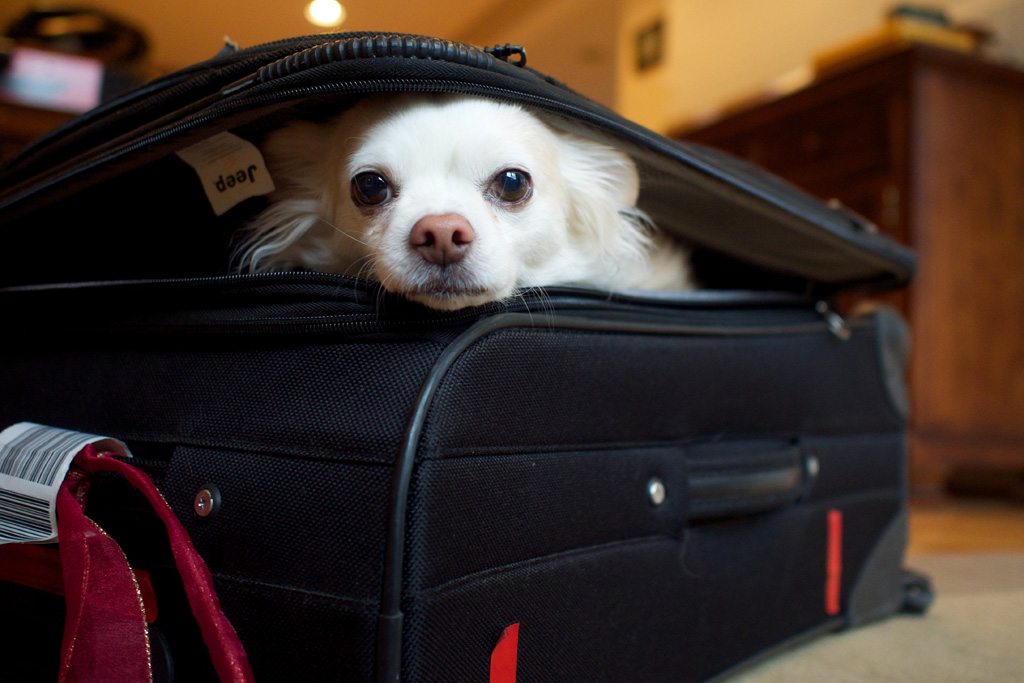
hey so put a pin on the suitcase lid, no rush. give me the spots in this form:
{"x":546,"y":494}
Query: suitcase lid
{"x":716,"y":203}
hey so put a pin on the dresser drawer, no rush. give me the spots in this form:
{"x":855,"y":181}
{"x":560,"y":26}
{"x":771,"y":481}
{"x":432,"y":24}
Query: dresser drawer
{"x":817,"y":144}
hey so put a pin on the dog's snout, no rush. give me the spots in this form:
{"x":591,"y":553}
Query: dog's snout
{"x":442,"y":240}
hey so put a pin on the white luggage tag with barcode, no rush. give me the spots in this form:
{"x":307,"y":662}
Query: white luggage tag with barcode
{"x":34,"y":459}
{"x":231,"y":170}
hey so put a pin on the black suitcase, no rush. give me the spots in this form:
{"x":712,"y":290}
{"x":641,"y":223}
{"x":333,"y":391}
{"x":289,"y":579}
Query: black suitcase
{"x":654,"y":487}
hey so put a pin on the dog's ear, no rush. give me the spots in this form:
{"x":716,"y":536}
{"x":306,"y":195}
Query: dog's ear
{"x":302,"y":173}
{"x":603,"y":185}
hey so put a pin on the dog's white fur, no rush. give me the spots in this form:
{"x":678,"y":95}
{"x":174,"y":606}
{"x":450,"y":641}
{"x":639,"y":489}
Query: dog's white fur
{"x":440,"y":155}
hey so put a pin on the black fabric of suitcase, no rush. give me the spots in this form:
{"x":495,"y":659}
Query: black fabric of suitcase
{"x":646,"y":482}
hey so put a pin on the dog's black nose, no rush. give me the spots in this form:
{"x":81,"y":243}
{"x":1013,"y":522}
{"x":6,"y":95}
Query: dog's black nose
{"x":443,"y":240}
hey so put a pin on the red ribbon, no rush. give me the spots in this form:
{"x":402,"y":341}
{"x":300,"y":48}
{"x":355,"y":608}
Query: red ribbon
{"x":105,"y":634}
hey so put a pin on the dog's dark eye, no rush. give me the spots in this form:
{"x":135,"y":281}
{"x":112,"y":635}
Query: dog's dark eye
{"x":370,"y":189}
{"x":511,"y":185}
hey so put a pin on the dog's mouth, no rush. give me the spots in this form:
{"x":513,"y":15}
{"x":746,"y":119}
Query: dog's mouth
{"x":446,"y":290}
{"x":451,"y":297}
{"x":449,"y":291}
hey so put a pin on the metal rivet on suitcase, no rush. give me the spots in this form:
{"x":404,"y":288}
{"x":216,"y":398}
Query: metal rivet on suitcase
{"x":813,"y":467}
{"x":206,"y":501}
{"x":656,"y":491}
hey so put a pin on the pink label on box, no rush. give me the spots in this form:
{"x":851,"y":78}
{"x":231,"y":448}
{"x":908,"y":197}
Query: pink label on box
{"x":52,"y":80}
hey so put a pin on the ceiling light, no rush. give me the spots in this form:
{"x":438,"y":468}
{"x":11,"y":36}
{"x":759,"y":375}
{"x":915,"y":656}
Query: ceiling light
{"x":327,"y":13}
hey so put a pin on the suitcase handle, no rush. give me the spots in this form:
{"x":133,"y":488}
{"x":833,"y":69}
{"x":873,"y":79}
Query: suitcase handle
{"x":729,"y":485}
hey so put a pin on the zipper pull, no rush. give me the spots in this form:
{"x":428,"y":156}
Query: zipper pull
{"x":836,"y":324}
{"x":503,"y":52}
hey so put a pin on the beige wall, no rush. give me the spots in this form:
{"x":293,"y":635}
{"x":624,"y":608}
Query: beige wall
{"x":717,"y":50}
{"x":721,"y":51}
{"x":571,"y":40}
{"x":644,"y":96}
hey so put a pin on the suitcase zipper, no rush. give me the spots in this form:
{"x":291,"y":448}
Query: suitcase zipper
{"x":159,"y":94}
{"x":347,"y":47}
{"x":378,"y":86}
{"x":390,"y":46}
{"x":325,"y":306}
{"x":522,"y":85}
{"x":333,"y":304}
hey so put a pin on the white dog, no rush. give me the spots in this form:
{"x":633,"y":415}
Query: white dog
{"x":455,"y":201}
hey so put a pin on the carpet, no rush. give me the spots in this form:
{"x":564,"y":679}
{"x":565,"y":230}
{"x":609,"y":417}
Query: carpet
{"x":973,"y":632}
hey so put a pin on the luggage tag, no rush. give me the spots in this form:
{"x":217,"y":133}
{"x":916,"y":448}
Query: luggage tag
{"x":231,"y":170}
{"x":45,"y":474}
{"x":34,"y":459}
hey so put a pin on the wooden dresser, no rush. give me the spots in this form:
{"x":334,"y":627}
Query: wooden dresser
{"x":929,"y":144}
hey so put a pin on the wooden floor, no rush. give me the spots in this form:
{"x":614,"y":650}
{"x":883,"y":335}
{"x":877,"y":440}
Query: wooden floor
{"x":966,"y":525}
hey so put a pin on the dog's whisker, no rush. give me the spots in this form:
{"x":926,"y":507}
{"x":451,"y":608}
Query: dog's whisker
{"x":385,"y":284}
{"x":517,"y":293}
{"x":349,"y":235}
{"x":547,"y":307}
{"x":365,"y":262}
{"x":368,"y":264}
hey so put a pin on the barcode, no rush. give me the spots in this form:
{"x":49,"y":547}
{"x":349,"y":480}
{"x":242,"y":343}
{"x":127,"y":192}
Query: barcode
{"x":37,"y":454}
{"x":23,"y":518}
